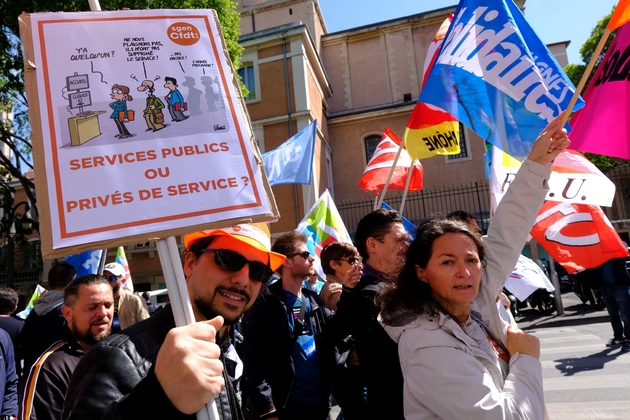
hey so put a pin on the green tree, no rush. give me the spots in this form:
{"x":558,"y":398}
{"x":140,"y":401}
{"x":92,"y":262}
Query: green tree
{"x":16,"y":133}
{"x":575,"y":72}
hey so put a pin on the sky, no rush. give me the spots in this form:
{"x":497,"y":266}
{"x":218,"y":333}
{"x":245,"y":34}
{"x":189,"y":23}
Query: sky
{"x":552,"y":20}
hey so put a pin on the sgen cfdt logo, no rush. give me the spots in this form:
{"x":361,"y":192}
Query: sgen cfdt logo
{"x":183,"y":33}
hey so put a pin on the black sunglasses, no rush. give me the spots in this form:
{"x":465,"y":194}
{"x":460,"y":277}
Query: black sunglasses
{"x":303,"y":254}
{"x":352,"y":260}
{"x":111,"y":278}
{"x":233,"y":261}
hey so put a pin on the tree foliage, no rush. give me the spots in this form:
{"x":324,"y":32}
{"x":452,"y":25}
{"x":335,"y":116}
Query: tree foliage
{"x":575,"y":71}
{"x":16,"y":133}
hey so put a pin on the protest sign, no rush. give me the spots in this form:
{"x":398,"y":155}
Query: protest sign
{"x":139,"y":128}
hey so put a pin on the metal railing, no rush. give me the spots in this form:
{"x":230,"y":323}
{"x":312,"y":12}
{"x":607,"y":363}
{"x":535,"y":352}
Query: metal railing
{"x":421,"y":205}
{"x":619,"y":212}
{"x":27,"y":263}
{"x":475,"y":199}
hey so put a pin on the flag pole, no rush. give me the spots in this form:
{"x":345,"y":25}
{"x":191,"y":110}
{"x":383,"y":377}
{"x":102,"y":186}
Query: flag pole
{"x":389,"y":177}
{"x":404,"y":197}
{"x":180,"y":301}
{"x":95,"y":6}
{"x":376,"y":201}
{"x":585,"y":75}
{"x":101,"y":263}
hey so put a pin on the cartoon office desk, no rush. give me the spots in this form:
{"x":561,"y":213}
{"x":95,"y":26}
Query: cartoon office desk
{"x":84,"y":128}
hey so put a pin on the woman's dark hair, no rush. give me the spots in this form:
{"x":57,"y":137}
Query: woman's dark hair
{"x":333,"y":252}
{"x":412,"y":294}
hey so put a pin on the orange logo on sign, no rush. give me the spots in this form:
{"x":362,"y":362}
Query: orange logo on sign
{"x":183,"y":33}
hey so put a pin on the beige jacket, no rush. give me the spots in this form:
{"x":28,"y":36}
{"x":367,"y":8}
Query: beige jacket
{"x":131,"y":309}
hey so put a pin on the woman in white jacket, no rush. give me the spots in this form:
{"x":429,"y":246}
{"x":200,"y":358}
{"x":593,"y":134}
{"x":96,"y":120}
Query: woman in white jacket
{"x":457,"y":360}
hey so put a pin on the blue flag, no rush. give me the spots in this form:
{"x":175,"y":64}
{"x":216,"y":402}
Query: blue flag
{"x":86,"y":262}
{"x":497,"y":77}
{"x":292,"y":162}
{"x":409,"y":227}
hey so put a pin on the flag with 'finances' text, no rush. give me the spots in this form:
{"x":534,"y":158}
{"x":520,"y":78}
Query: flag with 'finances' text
{"x":496,"y":76}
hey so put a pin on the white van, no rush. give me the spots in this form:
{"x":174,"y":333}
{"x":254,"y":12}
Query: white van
{"x":157,"y":297}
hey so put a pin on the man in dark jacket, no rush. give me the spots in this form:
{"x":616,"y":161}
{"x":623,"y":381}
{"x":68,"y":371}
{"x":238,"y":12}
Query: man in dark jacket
{"x":382,"y":242}
{"x":288,"y":338}
{"x":88,"y":310}
{"x":45,"y":324}
{"x":13,"y":326}
{"x":615,"y":283}
{"x":8,"y":378}
{"x":153,"y":370}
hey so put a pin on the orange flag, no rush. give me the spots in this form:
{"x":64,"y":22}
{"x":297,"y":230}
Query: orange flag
{"x":621,"y":15}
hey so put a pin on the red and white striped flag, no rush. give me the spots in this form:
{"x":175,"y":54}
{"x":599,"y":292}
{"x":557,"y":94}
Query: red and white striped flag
{"x":379,"y":166}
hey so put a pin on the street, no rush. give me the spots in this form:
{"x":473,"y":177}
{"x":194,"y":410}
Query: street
{"x":583,"y":379}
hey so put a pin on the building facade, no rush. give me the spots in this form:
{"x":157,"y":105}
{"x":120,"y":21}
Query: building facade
{"x":354,"y":83}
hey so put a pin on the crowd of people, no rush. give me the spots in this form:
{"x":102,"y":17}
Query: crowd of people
{"x":397,"y":330}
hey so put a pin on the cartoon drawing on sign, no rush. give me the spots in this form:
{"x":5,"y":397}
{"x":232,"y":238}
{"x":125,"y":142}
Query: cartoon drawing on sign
{"x":194,"y":96}
{"x":121,"y":115}
{"x":153,"y":112}
{"x":84,"y":126}
{"x":141,"y":175}
{"x":211,"y":97}
{"x":175,"y":100}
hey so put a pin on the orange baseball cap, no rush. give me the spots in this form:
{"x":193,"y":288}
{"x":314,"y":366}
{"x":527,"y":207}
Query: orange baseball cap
{"x":255,"y":235}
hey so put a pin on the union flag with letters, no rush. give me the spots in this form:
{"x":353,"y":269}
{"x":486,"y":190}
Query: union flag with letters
{"x":377,"y":170}
{"x":431,"y":130}
{"x":578,"y":236}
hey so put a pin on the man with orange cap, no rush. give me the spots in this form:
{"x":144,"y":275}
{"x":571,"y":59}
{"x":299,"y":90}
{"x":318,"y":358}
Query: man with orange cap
{"x":155,"y":370}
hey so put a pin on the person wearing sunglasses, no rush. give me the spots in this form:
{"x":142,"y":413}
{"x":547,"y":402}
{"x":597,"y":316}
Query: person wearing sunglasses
{"x":287,"y":352}
{"x":342,"y":265}
{"x":158,"y":371}
{"x":128,"y":308}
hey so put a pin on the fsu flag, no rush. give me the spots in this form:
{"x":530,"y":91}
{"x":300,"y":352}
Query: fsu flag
{"x":431,"y":130}
{"x":578,"y":236}
{"x":573,"y":179}
{"x":377,"y":170}
{"x":601,"y":127}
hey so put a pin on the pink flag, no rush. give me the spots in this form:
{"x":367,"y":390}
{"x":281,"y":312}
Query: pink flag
{"x":601,"y":127}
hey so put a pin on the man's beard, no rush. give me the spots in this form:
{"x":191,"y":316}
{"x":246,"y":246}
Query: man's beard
{"x":87,"y":336}
{"x":207,"y":308}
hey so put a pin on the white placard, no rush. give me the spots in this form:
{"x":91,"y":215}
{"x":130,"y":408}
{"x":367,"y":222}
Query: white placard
{"x":112,"y":173}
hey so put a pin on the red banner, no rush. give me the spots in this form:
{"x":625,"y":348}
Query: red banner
{"x":578,"y":236}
